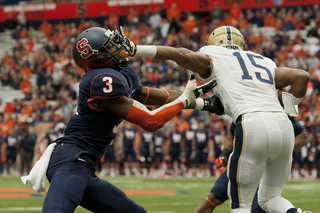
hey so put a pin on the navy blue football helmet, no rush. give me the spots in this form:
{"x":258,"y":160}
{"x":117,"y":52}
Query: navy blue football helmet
{"x":97,"y":47}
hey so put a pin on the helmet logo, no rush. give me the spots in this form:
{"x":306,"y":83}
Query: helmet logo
{"x":84,"y":48}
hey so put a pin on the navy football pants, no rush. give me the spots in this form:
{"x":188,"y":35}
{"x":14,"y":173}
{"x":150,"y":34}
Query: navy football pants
{"x":73,"y":182}
{"x":220,"y":189}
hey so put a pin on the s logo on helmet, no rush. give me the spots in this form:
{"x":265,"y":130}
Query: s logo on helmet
{"x":84,"y":48}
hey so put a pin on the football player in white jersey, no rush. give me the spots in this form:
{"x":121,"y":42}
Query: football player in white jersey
{"x":247,"y":84}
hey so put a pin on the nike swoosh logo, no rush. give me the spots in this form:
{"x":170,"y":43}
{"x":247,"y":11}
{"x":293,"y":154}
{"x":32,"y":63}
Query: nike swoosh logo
{"x":133,"y":90}
{"x":82,"y":159}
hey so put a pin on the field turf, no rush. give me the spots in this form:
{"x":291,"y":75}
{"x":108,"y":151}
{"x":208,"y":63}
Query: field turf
{"x":161,"y":195}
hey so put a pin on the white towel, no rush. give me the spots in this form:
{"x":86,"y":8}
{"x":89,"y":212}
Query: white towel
{"x":38,"y":172}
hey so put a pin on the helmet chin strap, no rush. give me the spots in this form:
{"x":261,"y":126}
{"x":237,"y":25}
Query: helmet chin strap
{"x":121,"y":64}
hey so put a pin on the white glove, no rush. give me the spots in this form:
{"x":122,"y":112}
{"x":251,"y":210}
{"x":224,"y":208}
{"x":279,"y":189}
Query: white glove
{"x":192,"y":92}
{"x":131,"y":47}
{"x":289,"y":106}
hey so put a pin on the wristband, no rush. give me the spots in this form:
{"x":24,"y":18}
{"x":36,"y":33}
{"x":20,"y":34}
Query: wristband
{"x":199,"y":103}
{"x":146,"y":51}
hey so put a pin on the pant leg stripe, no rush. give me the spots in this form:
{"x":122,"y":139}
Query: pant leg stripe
{"x":234,"y":167}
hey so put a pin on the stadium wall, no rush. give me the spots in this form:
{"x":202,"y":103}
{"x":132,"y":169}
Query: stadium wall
{"x":36,"y":12}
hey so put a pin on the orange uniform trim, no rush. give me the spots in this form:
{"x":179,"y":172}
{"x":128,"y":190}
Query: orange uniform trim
{"x":209,"y":201}
{"x":168,"y":99}
{"x":148,"y":91}
{"x":152,"y":122}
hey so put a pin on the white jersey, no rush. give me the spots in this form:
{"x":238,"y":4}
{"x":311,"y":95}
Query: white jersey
{"x":245,"y":81}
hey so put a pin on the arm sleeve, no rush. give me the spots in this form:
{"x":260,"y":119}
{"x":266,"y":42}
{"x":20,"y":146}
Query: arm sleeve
{"x":153,"y":120}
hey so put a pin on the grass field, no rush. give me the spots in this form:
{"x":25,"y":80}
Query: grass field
{"x":184,"y":195}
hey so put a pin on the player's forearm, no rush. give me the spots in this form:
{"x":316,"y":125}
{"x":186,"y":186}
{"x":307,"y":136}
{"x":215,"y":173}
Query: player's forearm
{"x":188,"y":59}
{"x":301,"y":140}
{"x":157,"y":96}
{"x":228,"y":143}
{"x":296,"y":78}
{"x":153,"y":120}
{"x":300,"y":85}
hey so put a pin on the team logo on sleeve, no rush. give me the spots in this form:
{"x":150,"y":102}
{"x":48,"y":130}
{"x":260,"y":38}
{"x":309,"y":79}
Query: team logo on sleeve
{"x":84,"y":48}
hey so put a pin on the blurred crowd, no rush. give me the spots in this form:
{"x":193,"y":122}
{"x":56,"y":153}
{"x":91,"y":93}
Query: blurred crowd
{"x":40,"y":65}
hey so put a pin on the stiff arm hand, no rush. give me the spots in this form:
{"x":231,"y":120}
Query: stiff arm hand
{"x":192,"y":92}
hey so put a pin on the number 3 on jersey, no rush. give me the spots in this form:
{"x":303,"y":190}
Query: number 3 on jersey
{"x":108,"y":87}
{"x":245,"y":71}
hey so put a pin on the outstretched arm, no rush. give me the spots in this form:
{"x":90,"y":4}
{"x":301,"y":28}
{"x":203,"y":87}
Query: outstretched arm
{"x":194,"y":61}
{"x":135,"y":112}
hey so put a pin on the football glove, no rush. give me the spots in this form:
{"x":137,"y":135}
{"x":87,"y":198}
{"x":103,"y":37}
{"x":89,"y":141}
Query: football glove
{"x":131,"y":47}
{"x":222,"y":161}
{"x":213,"y":105}
{"x":192,"y":92}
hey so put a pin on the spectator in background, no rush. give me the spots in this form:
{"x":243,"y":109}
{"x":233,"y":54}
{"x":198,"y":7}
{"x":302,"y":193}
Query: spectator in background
{"x":24,"y":33}
{"x":132,"y":17}
{"x":12,"y":142}
{"x":259,"y":20}
{"x":155,"y":19}
{"x":27,"y":144}
{"x":46,"y":27}
{"x":216,"y":13}
{"x":242,"y":22}
{"x":25,"y":85}
{"x":174,"y":12}
{"x":9,"y":106}
{"x":251,"y":18}
{"x":288,"y":21}
{"x":26,"y":111}
{"x":174,"y":24}
{"x":269,"y":20}
{"x":22,"y":19}
{"x":227,"y":20}
{"x":235,"y":11}
{"x":10,"y":23}
{"x":7,"y":123}
{"x":82,"y":25}
{"x":313,"y":31}
{"x":163,"y":11}
{"x":113,"y":19}
{"x":189,"y":24}
{"x":164,"y":28}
